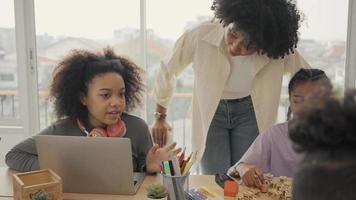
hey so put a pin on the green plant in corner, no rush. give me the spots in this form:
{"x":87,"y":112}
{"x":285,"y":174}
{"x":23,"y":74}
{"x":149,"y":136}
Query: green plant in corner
{"x":156,"y":191}
{"x":40,"y":195}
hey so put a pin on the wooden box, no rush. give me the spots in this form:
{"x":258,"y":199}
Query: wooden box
{"x":37,"y":185}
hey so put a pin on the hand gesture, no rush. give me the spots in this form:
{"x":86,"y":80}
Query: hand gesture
{"x":156,"y":155}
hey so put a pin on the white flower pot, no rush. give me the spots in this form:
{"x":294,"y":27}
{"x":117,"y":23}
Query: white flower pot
{"x":164,"y":198}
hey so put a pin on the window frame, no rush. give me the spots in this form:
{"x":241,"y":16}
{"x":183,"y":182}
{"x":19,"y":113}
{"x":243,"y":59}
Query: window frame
{"x":27,"y":123}
{"x":350,"y":64}
{"x":26,"y":56}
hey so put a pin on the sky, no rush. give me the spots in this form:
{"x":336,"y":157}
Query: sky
{"x":96,"y":19}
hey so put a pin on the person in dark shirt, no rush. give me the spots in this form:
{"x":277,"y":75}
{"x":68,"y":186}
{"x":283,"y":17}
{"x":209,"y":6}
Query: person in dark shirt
{"x":92,"y":93}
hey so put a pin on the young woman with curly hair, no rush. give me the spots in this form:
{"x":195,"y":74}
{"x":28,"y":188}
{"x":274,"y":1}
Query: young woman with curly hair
{"x":91,"y":92}
{"x":239,"y":60}
{"x":325,"y":133}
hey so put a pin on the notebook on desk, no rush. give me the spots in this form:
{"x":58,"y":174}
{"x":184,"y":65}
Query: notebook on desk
{"x":90,"y":165}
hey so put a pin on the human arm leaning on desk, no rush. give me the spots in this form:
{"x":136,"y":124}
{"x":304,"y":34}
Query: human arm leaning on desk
{"x":165,"y":84}
{"x":255,"y":161}
{"x":23,"y":156}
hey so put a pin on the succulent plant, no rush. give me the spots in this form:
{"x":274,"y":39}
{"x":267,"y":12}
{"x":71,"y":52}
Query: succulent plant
{"x":156,"y":191}
{"x":40,"y":196}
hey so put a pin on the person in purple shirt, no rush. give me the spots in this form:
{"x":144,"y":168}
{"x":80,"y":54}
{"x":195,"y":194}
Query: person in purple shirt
{"x":272,"y":151}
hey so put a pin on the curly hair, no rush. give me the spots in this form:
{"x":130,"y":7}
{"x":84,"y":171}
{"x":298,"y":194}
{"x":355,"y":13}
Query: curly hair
{"x":74,"y":73}
{"x":326,"y":134}
{"x":272,"y":25}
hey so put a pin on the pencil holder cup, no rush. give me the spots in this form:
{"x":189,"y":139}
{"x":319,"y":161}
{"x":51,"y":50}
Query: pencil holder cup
{"x":176,"y":185}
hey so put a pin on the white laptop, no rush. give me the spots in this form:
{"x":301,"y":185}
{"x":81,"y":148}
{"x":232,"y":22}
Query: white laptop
{"x":90,"y":165}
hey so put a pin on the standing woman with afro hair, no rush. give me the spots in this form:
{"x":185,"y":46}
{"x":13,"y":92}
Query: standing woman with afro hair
{"x":239,"y":59}
{"x":92,"y":93}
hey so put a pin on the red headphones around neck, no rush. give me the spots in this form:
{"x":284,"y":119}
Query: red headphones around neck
{"x":114,"y":130}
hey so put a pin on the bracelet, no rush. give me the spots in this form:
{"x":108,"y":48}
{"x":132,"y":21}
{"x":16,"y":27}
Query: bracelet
{"x":159,"y":115}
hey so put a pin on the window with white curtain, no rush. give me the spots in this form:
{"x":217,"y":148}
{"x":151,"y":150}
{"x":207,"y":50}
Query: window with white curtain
{"x":322,"y":42}
{"x":166,"y":22}
{"x":96,"y":25}
{"x":62,"y":26}
{"x":65,"y":25}
{"x":12,"y":118}
{"x":323,"y":37}
{"x":9,"y":104}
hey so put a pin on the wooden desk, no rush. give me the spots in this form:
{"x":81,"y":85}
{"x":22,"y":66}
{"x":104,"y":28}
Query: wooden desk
{"x":5,"y":182}
{"x":6,"y":192}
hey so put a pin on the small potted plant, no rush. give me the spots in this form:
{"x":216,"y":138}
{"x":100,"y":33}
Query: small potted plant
{"x":157,"y":191}
{"x":40,"y":195}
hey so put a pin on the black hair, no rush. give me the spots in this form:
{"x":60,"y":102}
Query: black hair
{"x":304,"y":75}
{"x":74,"y":73}
{"x":325,"y":180}
{"x":272,"y":25}
{"x":326,"y":134}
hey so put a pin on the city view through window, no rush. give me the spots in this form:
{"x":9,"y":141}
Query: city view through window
{"x":322,"y":43}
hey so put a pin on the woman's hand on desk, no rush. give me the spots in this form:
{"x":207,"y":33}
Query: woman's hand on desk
{"x":156,"y":155}
{"x":160,"y":131}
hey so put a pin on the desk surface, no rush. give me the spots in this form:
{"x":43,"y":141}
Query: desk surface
{"x":6,"y":192}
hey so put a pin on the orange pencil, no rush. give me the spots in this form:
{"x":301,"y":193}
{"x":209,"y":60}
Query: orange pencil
{"x":190,"y":163}
{"x":183,"y":166}
{"x":189,"y":157}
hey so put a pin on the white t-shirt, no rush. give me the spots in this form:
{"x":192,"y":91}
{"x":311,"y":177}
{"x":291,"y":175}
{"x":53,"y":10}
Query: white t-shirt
{"x":242,"y":73}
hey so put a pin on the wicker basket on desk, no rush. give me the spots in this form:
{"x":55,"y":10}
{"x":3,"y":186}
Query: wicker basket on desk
{"x":37,"y":185}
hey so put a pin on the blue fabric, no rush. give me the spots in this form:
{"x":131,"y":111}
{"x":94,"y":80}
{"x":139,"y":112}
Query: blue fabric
{"x":231,"y":132}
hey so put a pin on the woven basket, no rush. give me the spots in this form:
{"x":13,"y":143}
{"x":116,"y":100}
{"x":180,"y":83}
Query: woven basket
{"x":37,"y":185}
